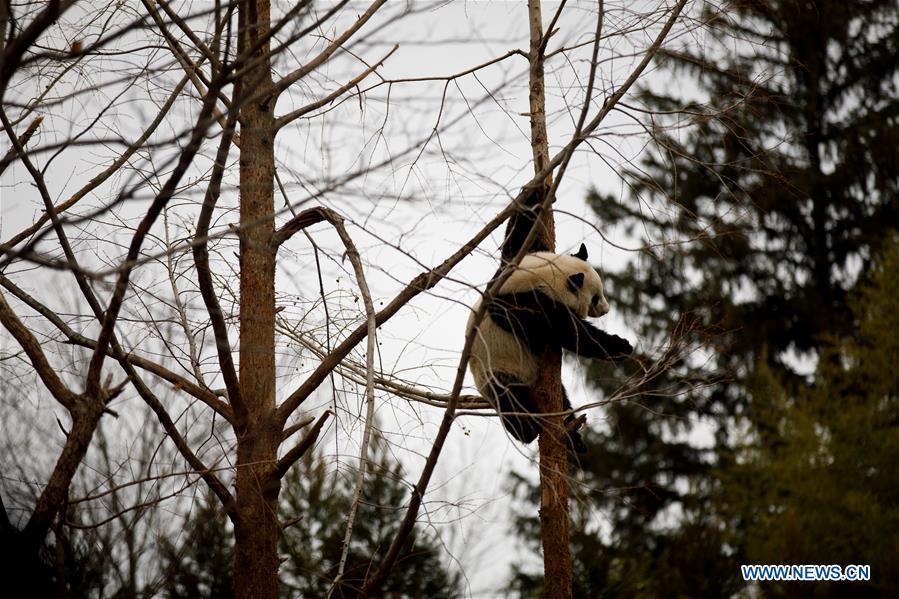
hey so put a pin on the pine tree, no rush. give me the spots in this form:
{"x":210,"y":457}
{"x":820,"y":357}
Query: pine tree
{"x":828,"y":492}
{"x":759,"y":215}
{"x":201,"y":564}
{"x":313,"y":547}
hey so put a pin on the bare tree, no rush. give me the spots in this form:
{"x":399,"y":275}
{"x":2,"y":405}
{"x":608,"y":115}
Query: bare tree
{"x":160,"y":143}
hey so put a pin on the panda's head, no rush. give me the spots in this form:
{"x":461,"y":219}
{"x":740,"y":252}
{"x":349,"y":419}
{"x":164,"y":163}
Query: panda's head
{"x":568,"y":279}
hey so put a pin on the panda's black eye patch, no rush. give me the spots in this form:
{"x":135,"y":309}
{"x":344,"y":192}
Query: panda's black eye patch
{"x":576,"y":282}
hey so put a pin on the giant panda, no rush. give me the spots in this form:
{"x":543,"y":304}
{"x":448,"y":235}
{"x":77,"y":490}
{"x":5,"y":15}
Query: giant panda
{"x":543,"y":303}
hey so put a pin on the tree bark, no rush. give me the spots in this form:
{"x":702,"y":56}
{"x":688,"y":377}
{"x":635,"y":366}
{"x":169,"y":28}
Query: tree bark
{"x":548,"y":389}
{"x":256,"y":524}
{"x":85,"y":418}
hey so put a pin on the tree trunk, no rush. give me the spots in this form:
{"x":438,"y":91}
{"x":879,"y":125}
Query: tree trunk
{"x":548,"y":389}
{"x":256,"y":524}
{"x":553,"y":482}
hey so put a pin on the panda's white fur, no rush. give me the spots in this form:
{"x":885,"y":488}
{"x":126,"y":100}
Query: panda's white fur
{"x":495,"y":350}
{"x":549,"y":273}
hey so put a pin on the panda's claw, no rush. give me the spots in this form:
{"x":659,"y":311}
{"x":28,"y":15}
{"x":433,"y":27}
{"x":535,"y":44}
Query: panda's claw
{"x":573,"y":424}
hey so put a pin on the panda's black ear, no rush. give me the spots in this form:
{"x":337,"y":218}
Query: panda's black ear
{"x":576,"y":282}
{"x":581,"y":253}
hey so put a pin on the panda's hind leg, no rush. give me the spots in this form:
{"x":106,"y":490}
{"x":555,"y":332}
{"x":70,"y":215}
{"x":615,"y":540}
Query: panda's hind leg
{"x":513,"y":396}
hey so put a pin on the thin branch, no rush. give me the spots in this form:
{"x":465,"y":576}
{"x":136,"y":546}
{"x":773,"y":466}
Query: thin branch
{"x":204,"y":275}
{"x":325,"y":54}
{"x":32,"y":347}
{"x":100,"y":177}
{"x":454,"y":76}
{"x":165,"y":194}
{"x":299,"y":112}
{"x":594,"y":62}
{"x":550,"y":30}
{"x":178,"y":382}
{"x":353,"y":255}
{"x":193,"y":354}
{"x":154,"y":501}
{"x":23,"y":141}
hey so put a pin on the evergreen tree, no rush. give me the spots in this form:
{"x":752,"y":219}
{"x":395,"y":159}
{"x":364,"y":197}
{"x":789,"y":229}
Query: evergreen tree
{"x":315,"y":501}
{"x":759,"y":219}
{"x":323,"y":498}
{"x":201,"y":565}
{"x":832,"y":477}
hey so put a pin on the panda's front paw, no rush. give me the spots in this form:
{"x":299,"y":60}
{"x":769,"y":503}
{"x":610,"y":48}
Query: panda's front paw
{"x":618,"y":348}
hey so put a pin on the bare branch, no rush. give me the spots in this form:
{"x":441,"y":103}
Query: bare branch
{"x":32,"y":347}
{"x":299,"y":450}
{"x":178,"y":382}
{"x":356,"y":261}
{"x":297,"y":427}
{"x":325,"y":54}
{"x":204,"y":275}
{"x":112,"y":311}
{"x":86,"y":413}
{"x":23,"y":141}
{"x":304,"y":219}
{"x":299,"y":112}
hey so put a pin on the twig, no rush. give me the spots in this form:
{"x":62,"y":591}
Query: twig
{"x":23,"y":141}
{"x":299,"y":112}
{"x":325,"y":54}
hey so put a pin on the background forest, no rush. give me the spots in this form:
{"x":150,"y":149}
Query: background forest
{"x":748,"y":189}
{"x":789,"y":206}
